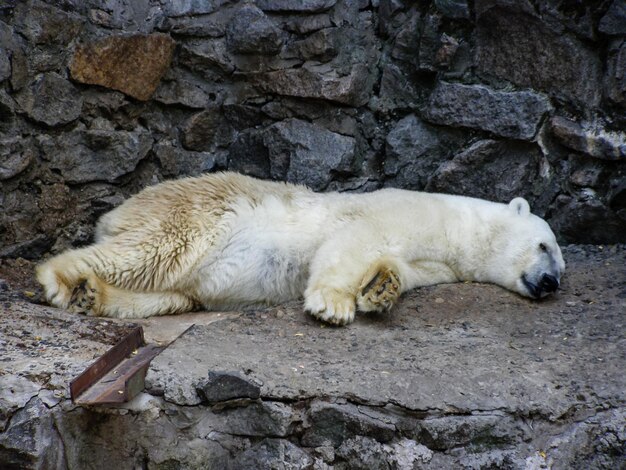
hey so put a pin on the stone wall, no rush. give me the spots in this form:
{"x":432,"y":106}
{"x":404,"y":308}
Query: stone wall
{"x":489,"y":98}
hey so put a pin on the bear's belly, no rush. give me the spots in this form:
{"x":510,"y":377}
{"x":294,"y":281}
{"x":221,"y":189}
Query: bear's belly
{"x":249,"y":269}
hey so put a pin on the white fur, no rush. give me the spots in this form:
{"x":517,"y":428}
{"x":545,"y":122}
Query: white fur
{"x":227,"y":240}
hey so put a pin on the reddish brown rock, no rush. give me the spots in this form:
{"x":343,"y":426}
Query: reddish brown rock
{"x":131,"y":64}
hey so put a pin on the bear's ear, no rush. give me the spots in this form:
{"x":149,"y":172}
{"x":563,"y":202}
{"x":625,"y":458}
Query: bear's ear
{"x":520,"y":206}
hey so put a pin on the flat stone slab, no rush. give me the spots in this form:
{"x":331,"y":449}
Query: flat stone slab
{"x":451,"y":347}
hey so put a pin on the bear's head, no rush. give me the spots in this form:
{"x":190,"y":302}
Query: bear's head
{"x":526,"y":257}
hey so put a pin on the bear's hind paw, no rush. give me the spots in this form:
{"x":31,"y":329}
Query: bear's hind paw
{"x":380,"y":292}
{"x":83,"y":300}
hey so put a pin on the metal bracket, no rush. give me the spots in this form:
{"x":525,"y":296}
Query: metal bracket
{"x":118,"y":375}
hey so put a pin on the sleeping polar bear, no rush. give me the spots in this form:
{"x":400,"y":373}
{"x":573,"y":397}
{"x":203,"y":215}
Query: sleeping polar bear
{"x":225,"y":240}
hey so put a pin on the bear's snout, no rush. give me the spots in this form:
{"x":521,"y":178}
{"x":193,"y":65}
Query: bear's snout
{"x":549,"y":283}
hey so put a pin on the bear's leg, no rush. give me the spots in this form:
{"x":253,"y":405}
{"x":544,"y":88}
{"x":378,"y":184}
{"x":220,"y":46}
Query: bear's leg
{"x":352,"y":267}
{"x":380,"y":288}
{"x":95,"y":297}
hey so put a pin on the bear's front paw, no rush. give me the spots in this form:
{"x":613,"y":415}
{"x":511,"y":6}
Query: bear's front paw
{"x":379,"y":292}
{"x":330,"y":305}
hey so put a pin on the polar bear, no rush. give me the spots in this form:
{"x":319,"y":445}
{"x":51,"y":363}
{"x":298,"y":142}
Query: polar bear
{"x":226,"y":240}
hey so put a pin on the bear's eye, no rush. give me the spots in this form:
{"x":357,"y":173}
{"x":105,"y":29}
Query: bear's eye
{"x":543,"y":247}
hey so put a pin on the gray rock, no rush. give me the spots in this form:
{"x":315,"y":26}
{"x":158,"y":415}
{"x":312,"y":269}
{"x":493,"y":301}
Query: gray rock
{"x":332,"y":424}
{"x":199,"y":131}
{"x":589,"y":138}
{"x":85,"y":155}
{"x":456,"y":9}
{"x":5,"y":64}
{"x":508,"y":44}
{"x":310,"y":81}
{"x":615,"y":77}
{"x":321,"y":46}
{"x":7,"y":112}
{"x":16,"y":154}
{"x":614,"y":20}
{"x":412,"y":153}
{"x":250,"y":31}
{"x":41,"y":23}
{"x":397,"y":90}
{"x":15,"y":393}
{"x":249,"y":155}
{"x":278,"y":454}
{"x":177,"y":162}
{"x":206,"y":55}
{"x":212,"y":25}
{"x":51,"y":100}
{"x":307,"y":24}
{"x":364,"y":453}
{"x":257,"y":419}
{"x":305,"y":153}
{"x":191,"y":7}
{"x":508,"y":114}
{"x":305,"y":6}
{"x":585,"y":218}
{"x":492,"y":170}
{"x":184,"y":90}
{"x":222,"y":386}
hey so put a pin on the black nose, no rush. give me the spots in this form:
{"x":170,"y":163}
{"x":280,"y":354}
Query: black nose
{"x":549,"y":283}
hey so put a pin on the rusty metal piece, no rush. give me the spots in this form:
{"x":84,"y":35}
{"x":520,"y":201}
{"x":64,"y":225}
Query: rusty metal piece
{"x":118,"y":375}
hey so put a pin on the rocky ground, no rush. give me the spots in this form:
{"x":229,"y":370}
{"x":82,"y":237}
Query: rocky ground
{"x":458,"y":376}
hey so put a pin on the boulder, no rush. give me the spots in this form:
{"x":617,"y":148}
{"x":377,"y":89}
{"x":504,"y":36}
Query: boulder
{"x":614,"y":20}
{"x":51,"y":100}
{"x":177,"y":162}
{"x":522,"y":49}
{"x":507,"y":114}
{"x":309,"y":81}
{"x":250,"y":31}
{"x":132,"y":64}
{"x":412,"y":153}
{"x":41,"y":23}
{"x":222,"y":386}
{"x":589,"y":138}
{"x":94,"y":155}
{"x":16,"y":154}
{"x":300,"y":152}
{"x":301,"y":6}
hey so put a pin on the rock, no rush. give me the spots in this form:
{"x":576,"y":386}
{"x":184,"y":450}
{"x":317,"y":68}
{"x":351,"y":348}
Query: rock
{"x":257,"y":419}
{"x":5,"y":64}
{"x":15,"y":393}
{"x":85,"y":155}
{"x":586,"y":219}
{"x":249,"y":155}
{"x":614,"y":20}
{"x":397,"y":90}
{"x":43,"y":24}
{"x":590,"y":139}
{"x":493,"y":170}
{"x":198,"y":132}
{"x":305,"y":153}
{"x":250,"y":31}
{"x":521,"y":49}
{"x":307,"y":24}
{"x":51,"y":100}
{"x":222,"y":386}
{"x":206,"y":55}
{"x":177,"y":162}
{"x":7,"y":112}
{"x":332,"y":424}
{"x":320,"y":46}
{"x":309,"y":81}
{"x":16,"y":154}
{"x":615,"y":77}
{"x":364,"y":453}
{"x":508,"y":114}
{"x":455,"y":9}
{"x":192,"y":7}
{"x":210,"y":26}
{"x":184,"y":90}
{"x":133,"y":64}
{"x":273,"y":453}
{"x":303,"y":6}
{"x":412,"y":153}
